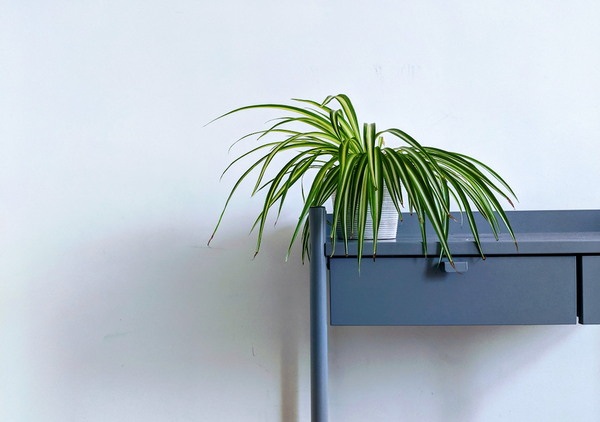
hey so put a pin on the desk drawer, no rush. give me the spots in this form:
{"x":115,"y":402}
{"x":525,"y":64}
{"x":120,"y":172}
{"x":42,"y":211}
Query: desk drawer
{"x":414,"y":291}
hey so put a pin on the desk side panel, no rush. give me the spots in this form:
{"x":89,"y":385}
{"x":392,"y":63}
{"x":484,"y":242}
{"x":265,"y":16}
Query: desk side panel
{"x":590,"y":285}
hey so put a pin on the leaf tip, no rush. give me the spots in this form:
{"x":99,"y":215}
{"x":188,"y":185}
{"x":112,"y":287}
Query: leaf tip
{"x":454,"y":266}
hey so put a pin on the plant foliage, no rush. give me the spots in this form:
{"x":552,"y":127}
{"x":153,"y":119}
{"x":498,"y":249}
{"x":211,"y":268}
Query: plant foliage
{"x":355,"y":163}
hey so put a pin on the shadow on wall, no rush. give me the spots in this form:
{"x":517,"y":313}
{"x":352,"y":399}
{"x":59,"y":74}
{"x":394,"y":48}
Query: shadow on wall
{"x":446,"y":371}
{"x":152,"y":324}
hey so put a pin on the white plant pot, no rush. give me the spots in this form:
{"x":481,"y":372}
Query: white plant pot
{"x":387,"y":226}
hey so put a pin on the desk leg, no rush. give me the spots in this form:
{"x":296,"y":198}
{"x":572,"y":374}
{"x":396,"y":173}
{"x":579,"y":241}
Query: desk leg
{"x":318,"y":316}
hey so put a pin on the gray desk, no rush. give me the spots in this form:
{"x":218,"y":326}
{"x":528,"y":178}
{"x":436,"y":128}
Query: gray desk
{"x":553,"y":278}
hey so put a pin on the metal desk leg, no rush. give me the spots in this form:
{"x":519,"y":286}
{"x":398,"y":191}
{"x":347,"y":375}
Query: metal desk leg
{"x":318,"y":315}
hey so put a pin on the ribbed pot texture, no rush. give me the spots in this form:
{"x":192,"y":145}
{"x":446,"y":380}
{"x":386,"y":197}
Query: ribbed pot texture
{"x":387,"y":226}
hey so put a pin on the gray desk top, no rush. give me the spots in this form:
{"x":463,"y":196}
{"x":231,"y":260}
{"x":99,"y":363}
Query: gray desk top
{"x":537,"y":232}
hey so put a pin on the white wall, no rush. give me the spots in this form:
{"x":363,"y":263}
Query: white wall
{"x":111,"y":306}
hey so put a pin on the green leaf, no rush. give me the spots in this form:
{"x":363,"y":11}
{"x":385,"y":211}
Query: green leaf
{"x":369,"y":145}
{"x":348,"y":108}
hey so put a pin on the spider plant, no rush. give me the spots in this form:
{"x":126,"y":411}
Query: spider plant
{"x":356,"y":164}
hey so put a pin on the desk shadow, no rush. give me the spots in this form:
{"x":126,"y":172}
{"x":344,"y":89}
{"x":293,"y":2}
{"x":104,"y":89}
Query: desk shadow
{"x":289,"y":378}
{"x":456,"y":362}
{"x":287,"y":301}
{"x":157,"y":309}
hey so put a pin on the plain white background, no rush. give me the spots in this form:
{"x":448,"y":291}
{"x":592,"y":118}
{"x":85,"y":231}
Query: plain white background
{"x":111,"y":306}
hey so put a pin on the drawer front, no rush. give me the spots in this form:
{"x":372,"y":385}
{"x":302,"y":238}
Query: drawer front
{"x":590,"y":290}
{"x":415,"y":291}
